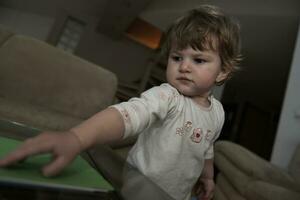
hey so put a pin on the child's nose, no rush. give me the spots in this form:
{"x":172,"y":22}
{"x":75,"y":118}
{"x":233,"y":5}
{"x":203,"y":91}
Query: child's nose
{"x":184,"y":66}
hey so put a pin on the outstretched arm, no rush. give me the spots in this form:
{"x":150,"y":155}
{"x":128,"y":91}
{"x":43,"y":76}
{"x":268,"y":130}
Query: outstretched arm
{"x":103,"y":127}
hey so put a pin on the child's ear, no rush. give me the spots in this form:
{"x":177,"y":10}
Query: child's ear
{"x":222,"y":76}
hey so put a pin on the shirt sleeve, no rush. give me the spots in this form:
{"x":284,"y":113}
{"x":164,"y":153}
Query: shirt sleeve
{"x":153,"y":104}
{"x":210,"y":151}
{"x":220,"y":117}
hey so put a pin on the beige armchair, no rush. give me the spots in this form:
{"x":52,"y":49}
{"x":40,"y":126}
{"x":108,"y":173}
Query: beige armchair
{"x":47,"y":88}
{"x":245,"y":176}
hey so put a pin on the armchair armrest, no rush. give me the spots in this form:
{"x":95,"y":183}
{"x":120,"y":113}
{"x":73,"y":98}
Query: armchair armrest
{"x":267,"y":191}
{"x":252,"y":165}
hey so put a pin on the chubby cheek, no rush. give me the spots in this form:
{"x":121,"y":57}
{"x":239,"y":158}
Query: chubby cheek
{"x":170,"y":73}
{"x":206,"y":79}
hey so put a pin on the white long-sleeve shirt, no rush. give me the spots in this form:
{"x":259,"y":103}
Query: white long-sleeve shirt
{"x":176,"y":135}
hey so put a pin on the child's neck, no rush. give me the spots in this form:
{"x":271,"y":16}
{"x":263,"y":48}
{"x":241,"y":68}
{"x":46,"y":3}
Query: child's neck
{"x":203,"y":101}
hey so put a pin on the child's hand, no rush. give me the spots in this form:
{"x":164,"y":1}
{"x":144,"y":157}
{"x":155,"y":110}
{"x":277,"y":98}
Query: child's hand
{"x":206,"y":189}
{"x":63,"y":146}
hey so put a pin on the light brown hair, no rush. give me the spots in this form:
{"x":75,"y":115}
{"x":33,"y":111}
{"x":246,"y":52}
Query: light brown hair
{"x":206,"y":27}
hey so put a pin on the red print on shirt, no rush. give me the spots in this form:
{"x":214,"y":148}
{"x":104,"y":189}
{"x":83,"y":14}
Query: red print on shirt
{"x":197,"y":135}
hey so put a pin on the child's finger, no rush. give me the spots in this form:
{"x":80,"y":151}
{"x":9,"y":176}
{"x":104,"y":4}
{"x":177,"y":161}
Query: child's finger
{"x":13,"y":158}
{"x":21,"y":153}
{"x":57,"y":165}
{"x":207,"y":195}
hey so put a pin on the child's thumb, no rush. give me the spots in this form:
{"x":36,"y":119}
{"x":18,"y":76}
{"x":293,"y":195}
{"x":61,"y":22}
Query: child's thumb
{"x":55,"y":167}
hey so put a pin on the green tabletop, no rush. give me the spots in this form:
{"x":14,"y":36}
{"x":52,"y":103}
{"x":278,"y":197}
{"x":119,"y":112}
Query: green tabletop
{"x":77,"y":176}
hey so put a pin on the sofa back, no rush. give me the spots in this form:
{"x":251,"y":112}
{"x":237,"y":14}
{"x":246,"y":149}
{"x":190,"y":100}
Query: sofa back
{"x":4,"y":34}
{"x":34,"y":72}
{"x":294,"y":165}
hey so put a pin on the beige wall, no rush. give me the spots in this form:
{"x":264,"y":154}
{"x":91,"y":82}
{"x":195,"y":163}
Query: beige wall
{"x":124,"y":57}
{"x":288,"y":135}
{"x":26,"y":23}
{"x":44,"y":20}
{"x":50,"y":7}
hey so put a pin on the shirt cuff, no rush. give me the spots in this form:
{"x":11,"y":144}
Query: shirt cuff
{"x":126,"y":119}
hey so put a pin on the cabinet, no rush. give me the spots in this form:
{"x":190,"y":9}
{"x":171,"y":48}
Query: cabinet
{"x":155,"y":74}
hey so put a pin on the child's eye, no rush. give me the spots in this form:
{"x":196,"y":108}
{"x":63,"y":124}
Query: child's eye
{"x":199,"y":60}
{"x":176,"y":58}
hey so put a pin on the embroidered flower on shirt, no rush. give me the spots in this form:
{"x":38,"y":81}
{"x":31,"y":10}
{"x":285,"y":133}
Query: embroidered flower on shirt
{"x":163,"y":96}
{"x":209,"y":135}
{"x":186,"y":128}
{"x":125,"y":115}
{"x":197,"y":135}
{"x":179,"y":131}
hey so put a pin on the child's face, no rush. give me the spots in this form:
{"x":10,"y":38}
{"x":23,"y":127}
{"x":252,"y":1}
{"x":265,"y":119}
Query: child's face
{"x":193,"y":72}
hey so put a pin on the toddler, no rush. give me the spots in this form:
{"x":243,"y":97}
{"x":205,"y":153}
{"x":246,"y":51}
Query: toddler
{"x":177,"y":122}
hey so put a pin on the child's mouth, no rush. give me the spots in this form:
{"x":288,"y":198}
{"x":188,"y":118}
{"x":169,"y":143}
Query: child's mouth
{"x":184,"y":80}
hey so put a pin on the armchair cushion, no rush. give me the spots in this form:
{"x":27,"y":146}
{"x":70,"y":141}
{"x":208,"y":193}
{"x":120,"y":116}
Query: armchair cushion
{"x":252,"y":165}
{"x":35,"y":72}
{"x":242,"y":174}
{"x":294,"y":166}
{"x":4,"y":34}
{"x":44,"y":118}
{"x":263,"y":190}
{"x":225,"y":190}
{"x":238,"y":179}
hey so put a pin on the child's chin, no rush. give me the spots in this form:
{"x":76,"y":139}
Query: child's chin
{"x":185,"y":92}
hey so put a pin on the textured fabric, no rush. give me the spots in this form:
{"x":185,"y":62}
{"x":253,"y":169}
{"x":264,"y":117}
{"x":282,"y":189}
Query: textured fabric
{"x":237,"y":178}
{"x":176,"y":136}
{"x":218,"y":194}
{"x":260,"y":190}
{"x":35,"y":72}
{"x":294,"y":166}
{"x":4,"y":35}
{"x":251,"y":176}
{"x":39,"y":117}
{"x":226,"y":190}
{"x":47,"y":88}
{"x":249,"y":166}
